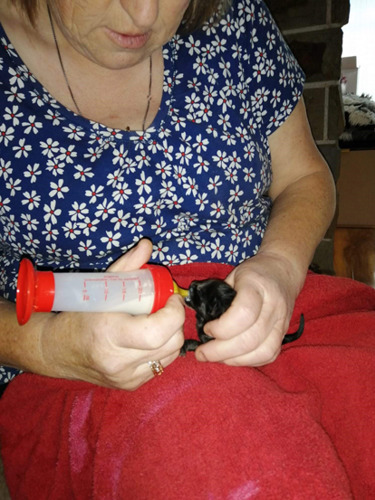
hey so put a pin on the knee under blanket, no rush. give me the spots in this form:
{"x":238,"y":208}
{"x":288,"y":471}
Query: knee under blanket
{"x":302,"y":427}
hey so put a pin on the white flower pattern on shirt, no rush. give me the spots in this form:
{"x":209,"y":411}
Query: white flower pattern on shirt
{"x":77,"y":194}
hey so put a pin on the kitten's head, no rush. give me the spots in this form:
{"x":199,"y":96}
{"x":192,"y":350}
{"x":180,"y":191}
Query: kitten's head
{"x":210,"y":298}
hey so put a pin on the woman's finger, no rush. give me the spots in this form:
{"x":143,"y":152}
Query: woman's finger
{"x":243,"y":313}
{"x":147,"y":332}
{"x":134,"y":258}
{"x":259,"y":343}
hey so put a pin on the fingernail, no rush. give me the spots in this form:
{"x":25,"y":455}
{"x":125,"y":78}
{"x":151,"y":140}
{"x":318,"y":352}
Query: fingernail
{"x":200,"y":356}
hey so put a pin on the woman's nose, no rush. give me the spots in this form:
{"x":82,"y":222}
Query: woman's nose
{"x":142,"y":12}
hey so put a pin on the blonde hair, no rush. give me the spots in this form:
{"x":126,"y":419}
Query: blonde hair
{"x":197,"y":13}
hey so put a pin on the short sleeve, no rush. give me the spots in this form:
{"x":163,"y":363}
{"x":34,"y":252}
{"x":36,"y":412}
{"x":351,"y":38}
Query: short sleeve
{"x":273,"y":76}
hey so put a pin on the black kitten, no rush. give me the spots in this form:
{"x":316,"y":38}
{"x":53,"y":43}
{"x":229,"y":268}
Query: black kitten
{"x":210,"y":298}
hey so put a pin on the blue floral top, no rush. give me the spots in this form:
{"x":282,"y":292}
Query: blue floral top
{"x":76,"y":194}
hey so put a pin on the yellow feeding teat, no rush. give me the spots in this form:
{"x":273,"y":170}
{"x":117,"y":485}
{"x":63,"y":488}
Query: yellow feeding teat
{"x":182,"y":291}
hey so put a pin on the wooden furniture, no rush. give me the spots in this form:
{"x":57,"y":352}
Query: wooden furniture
{"x":354,"y":241}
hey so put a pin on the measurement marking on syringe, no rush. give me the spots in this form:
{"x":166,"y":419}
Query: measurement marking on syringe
{"x":106,"y":290}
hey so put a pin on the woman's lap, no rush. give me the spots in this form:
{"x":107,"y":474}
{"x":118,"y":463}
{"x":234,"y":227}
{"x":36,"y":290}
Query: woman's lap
{"x":298,"y":428}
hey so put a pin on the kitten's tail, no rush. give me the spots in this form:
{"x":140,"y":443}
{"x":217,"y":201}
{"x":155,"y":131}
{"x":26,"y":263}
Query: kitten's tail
{"x":291,"y":337}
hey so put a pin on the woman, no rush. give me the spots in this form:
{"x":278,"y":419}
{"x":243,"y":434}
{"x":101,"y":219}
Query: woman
{"x":111,"y":63}
{"x":126,"y":122}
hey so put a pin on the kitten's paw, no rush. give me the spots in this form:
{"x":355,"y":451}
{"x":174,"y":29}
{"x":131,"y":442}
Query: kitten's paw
{"x":188,"y":346}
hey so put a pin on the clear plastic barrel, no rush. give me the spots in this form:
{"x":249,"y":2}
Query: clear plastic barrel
{"x":99,"y":292}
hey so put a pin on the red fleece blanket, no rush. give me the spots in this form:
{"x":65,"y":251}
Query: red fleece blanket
{"x":300,"y":428}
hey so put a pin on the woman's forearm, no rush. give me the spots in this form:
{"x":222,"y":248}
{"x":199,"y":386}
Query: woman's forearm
{"x":299,"y":219}
{"x":20,"y":345}
{"x":303,"y":195}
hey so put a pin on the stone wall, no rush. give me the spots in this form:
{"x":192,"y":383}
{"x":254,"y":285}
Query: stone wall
{"x":312,"y":29}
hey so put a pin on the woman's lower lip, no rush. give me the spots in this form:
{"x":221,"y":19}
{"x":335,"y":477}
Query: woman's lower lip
{"x":128,"y":41}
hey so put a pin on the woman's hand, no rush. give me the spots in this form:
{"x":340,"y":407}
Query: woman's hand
{"x":113,"y":349}
{"x":250,"y":332}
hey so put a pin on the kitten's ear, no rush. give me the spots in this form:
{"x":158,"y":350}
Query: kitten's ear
{"x":221,"y":299}
{"x":227,"y":295}
{"x":214,"y":307}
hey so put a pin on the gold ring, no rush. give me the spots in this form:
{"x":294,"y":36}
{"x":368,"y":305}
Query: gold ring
{"x":156,"y":367}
